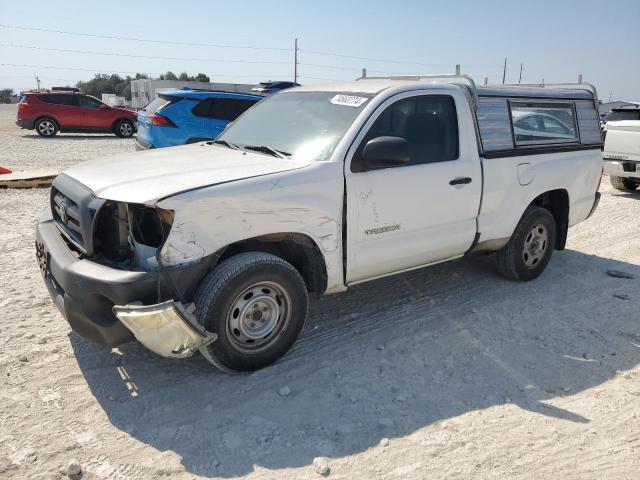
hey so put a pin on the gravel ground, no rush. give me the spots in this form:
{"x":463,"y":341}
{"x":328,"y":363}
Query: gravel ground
{"x":25,"y":149}
{"x":447,"y":372}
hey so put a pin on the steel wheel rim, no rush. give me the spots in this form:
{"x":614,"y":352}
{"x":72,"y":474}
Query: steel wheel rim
{"x":46,"y":128}
{"x":257,"y":316}
{"x":126,"y":129}
{"x":535,"y":246}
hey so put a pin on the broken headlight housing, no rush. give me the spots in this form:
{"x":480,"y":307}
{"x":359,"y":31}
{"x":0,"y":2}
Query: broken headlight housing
{"x":150,"y":226}
{"x":120,"y":227}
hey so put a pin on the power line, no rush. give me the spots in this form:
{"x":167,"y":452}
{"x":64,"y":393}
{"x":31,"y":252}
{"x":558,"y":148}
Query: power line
{"x":114,"y":54}
{"x":153,"y":57}
{"x":98,"y":70}
{"x":399,"y":62}
{"x":144,"y":40}
{"x":249,"y":47}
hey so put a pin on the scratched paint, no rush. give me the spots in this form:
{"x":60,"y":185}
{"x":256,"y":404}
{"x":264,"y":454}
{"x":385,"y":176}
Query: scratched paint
{"x":209,"y":219}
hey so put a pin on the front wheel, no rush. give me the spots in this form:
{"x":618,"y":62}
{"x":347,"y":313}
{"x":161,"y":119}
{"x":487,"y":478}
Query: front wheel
{"x":624,"y":184}
{"x":529,"y":250}
{"x":124,"y":128}
{"x":256,"y":303}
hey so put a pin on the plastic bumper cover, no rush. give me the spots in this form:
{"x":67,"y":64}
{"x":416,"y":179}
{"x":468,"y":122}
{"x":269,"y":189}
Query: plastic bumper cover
{"x":142,"y":144}
{"x":616,"y":168}
{"x":85,"y":292}
{"x":25,"y":124}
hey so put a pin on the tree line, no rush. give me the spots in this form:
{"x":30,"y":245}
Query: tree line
{"x":6,"y":94}
{"x":121,"y":86}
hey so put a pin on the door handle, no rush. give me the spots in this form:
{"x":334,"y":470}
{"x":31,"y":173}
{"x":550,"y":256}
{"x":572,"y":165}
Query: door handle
{"x":460,"y":181}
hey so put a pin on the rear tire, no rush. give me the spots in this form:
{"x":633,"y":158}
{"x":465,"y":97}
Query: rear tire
{"x":624,"y":184}
{"x":123,"y":128}
{"x":256,"y":303}
{"x":46,"y":127}
{"x":530,"y":248}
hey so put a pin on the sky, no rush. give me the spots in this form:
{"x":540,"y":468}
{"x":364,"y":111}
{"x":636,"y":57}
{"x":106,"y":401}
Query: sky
{"x":253,"y":41}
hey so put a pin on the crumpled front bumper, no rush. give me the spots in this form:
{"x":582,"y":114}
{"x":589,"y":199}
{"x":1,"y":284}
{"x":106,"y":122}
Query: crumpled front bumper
{"x":166,"y":328}
{"x":110,"y":306}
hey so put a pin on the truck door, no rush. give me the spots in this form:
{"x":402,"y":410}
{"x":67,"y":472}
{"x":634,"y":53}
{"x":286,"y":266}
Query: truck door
{"x":423,"y":211}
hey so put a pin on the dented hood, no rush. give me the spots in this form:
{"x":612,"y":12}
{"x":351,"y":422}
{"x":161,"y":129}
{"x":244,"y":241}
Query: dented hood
{"x":143,"y":177}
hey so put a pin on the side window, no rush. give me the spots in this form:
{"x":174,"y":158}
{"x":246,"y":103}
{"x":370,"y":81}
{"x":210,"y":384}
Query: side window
{"x":59,"y":99}
{"x":87,"y":102}
{"x":429,"y":124}
{"x":202,"y":108}
{"x":238,"y":107}
{"x":544,"y":122}
{"x":229,"y":108}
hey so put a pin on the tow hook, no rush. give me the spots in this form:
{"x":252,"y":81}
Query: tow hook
{"x":169,"y":329}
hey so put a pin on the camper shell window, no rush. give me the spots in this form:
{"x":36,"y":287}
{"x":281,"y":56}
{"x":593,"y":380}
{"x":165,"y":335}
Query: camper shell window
{"x":538,"y":123}
{"x":515,"y":121}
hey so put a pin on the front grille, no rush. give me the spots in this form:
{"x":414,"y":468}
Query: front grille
{"x":67,"y":215}
{"x":74,"y":207}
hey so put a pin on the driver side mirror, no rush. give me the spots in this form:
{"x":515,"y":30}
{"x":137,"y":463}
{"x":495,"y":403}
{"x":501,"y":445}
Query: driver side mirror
{"x":104,"y":107}
{"x":384,"y":152}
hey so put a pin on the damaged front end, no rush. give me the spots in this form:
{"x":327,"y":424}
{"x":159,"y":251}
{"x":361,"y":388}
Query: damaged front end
{"x":101,"y":262}
{"x":168,"y":329}
{"x":132,"y":235}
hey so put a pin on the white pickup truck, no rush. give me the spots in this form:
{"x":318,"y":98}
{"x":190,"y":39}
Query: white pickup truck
{"x":214,"y":246}
{"x":622,"y":147}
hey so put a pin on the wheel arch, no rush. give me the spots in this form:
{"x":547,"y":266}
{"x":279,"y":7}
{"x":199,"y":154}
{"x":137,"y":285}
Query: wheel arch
{"x":298,"y":249}
{"x":557,"y":202}
{"x":115,"y":122}
{"x":51,"y":117}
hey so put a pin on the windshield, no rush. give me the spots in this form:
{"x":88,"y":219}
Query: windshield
{"x":305,"y":125}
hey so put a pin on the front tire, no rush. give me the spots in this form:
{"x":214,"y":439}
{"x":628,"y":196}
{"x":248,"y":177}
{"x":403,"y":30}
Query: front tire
{"x":46,"y":127}
{"x":123,"y":129}
{"x":530,"y":248}
{"x":624,"y":184}
{"x":257,"y":304}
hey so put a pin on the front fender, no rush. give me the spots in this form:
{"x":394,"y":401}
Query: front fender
{"x":306,"y":201}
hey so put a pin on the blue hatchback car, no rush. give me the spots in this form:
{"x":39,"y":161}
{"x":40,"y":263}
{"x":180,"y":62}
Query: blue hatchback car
{"x":178,"y":117}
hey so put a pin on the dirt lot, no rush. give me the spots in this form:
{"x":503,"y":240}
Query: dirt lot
{"x":467,"y":375}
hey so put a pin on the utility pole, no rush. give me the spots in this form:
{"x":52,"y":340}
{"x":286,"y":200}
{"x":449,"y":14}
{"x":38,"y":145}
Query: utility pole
{"x":364,"y":73}
{"x":504,"y":71}
{"x":458,"y":69}
{"x":520,"y":78}
{"x":295,"y":61}
{"x":38,"y":81}
{"x":579,"y":78}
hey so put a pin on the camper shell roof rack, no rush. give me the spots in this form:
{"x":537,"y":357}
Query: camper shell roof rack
{"x":567,"y":91}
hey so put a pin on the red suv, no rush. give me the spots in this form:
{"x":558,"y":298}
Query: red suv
{"x":53,"y":112}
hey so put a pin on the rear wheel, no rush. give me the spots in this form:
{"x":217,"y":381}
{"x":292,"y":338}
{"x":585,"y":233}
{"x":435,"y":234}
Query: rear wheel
{"x":529,"y":250}
{"x":624,"y":184}
{"x":124,"y":128}
{"x":256,"y":303}
{"x":46,"y":127}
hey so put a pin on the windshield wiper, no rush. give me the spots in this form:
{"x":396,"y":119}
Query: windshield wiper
{"x":226,"y":144}
{"x":267,"y":150}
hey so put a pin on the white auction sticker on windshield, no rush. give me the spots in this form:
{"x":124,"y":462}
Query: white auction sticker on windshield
{"x":348,"y":100}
